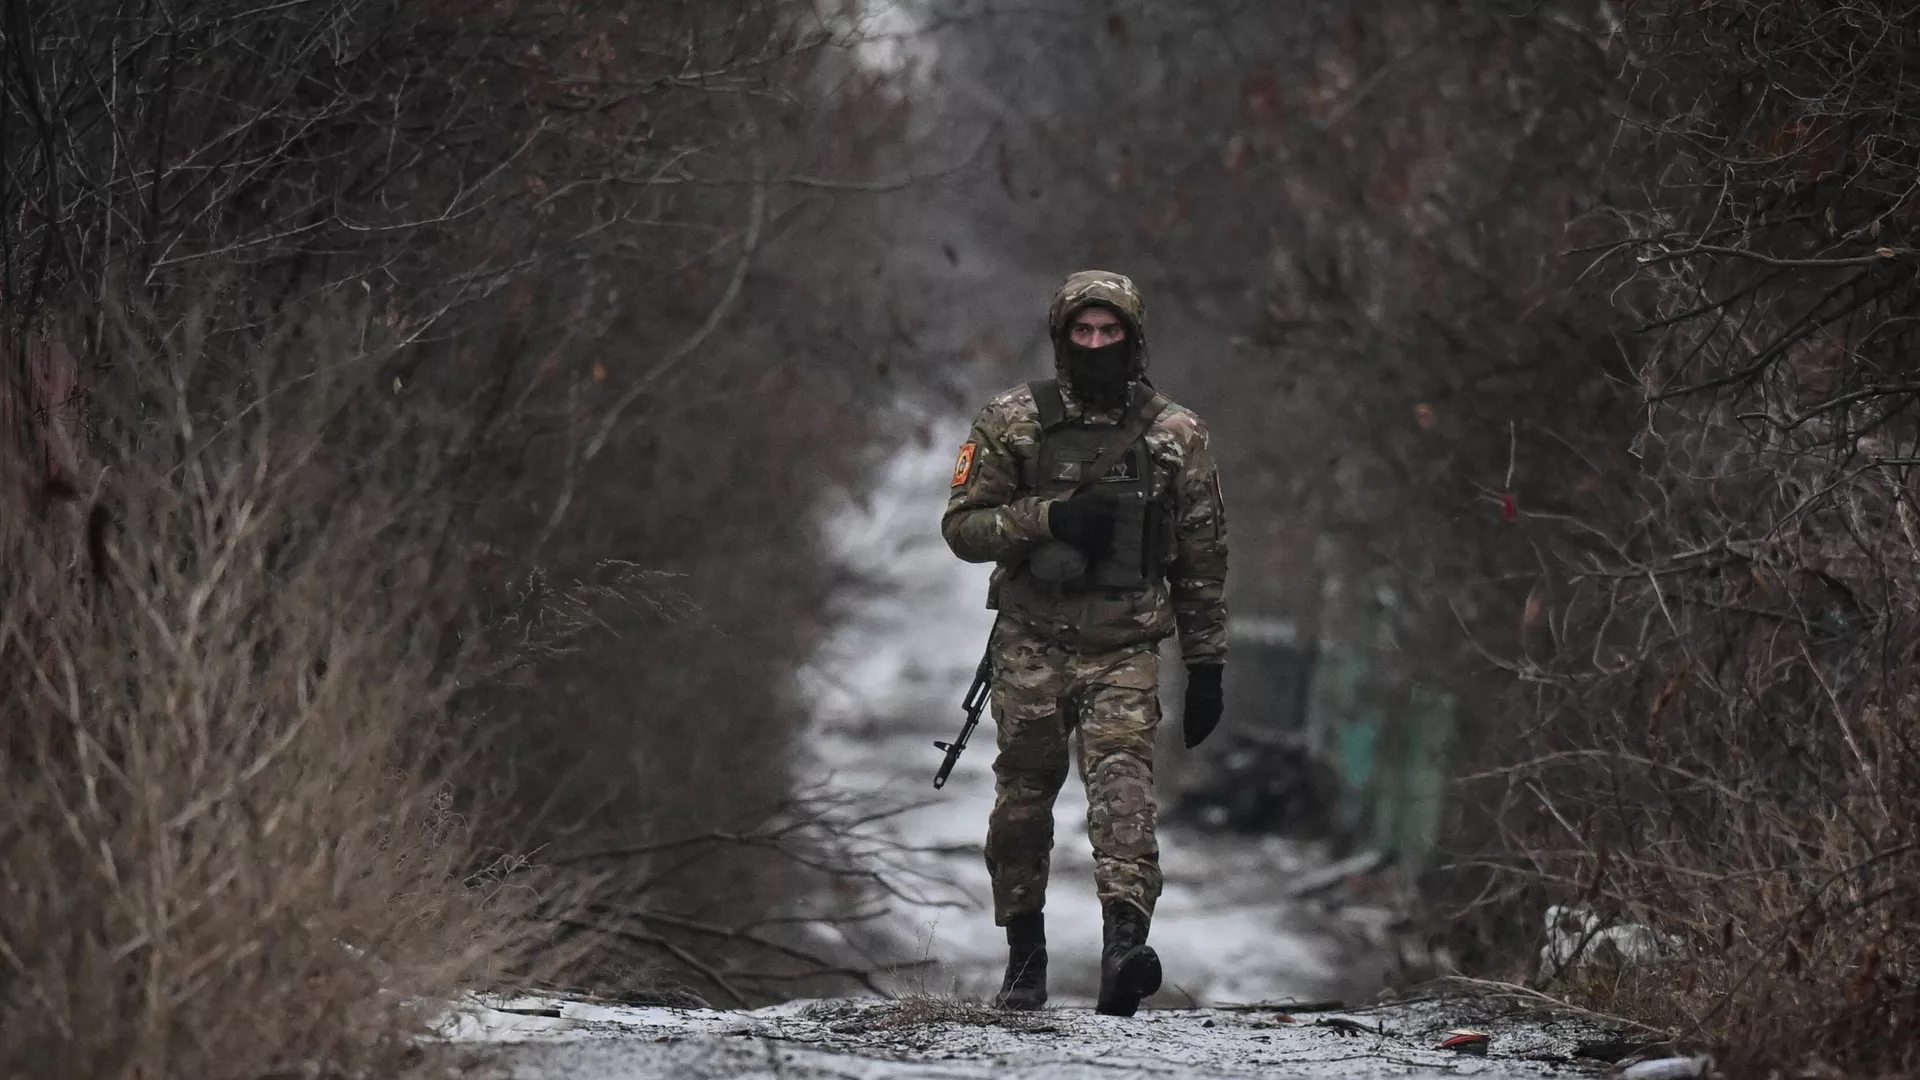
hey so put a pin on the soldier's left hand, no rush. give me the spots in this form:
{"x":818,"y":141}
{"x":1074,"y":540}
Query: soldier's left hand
{"x":1205,"y":701}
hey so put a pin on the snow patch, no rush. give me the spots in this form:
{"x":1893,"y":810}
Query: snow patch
{"x":885,"y":37}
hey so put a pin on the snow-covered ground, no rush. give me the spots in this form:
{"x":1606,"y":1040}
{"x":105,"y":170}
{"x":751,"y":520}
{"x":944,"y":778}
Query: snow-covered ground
{"x":890,"y":682}
{"x":551,"y":1039}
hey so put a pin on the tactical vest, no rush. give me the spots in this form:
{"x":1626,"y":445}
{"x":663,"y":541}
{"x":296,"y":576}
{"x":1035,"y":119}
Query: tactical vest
{"x":1142,"y":530}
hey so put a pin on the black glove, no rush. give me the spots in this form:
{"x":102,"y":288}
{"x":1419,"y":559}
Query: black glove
{"x":1085,"y":522}
{"x":1204,"y":702}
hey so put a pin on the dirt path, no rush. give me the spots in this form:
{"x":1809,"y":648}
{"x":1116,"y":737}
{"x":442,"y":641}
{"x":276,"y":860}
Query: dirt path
{"x":926,"y":1038}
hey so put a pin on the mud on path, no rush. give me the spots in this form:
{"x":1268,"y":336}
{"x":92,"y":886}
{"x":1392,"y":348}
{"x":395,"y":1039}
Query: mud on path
{"x":868,"y":1039}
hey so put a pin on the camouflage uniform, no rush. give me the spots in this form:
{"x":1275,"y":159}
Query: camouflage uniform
{"x":1068,"y":660}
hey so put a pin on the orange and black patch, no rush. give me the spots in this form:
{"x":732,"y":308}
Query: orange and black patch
{"x":963,"y":467}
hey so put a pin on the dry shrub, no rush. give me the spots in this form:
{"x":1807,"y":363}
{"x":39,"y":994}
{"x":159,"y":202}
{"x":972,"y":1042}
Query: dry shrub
{"x":1723,"y":750}
{"x":571,"y":211}
{"x":1715,"y":735}
{"x":267,"y":773}
{"x":228,"y":841}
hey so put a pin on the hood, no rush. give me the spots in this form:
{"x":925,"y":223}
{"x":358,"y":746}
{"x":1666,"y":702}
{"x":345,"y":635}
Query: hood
{"x":1110,"y":290}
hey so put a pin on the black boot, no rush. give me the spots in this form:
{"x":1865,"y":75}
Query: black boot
{"x":1025,"y":986}
{"x":1129,"y":968}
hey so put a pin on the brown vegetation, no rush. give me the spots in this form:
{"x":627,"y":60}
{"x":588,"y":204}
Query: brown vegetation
{"x":390,"y":572}
{"x":1719,"y":715}
{"x":230,"y":840}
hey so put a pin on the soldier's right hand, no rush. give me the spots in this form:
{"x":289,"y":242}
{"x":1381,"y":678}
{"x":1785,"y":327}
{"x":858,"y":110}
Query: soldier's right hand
{"x":1204,"y":703}
{"x":1086,"y":522}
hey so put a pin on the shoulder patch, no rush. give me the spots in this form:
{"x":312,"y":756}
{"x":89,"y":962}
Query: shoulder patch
{"x":963,"y":465}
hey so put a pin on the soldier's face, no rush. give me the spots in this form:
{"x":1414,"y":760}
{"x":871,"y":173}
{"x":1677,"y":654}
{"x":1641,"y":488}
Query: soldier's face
{"x":1095,"y":327}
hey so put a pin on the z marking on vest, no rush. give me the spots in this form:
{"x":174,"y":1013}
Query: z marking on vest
{"x":1070,"y":472}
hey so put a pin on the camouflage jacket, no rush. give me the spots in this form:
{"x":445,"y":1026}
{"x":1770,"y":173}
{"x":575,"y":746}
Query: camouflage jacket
{"x":990,"y":519}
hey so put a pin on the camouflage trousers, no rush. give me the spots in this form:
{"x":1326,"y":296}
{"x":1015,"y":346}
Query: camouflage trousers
{"x":1050,"y":701}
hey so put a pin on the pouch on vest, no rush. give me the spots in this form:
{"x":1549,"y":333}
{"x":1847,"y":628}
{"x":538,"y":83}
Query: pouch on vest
{"x":1064,"y":461}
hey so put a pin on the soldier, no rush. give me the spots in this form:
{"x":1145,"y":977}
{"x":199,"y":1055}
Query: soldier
{"x":1097,"y":499}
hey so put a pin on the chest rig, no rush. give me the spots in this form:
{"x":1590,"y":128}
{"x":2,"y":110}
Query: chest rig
{"x":1068,"y":450}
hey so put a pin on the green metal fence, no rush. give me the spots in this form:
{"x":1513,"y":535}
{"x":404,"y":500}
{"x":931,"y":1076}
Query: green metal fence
{"x":1386,"y":739}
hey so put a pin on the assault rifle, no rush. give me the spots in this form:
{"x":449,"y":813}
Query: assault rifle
{"x":972,"y":704}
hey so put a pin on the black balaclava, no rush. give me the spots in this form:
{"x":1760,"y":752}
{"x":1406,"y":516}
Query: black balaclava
{"x":1100,"y":376}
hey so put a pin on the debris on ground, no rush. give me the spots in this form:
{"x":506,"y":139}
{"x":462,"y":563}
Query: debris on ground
{"x":1345,"y":1026}
{"x":1668,"y":1068}
{"x":1466,"y":1041}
